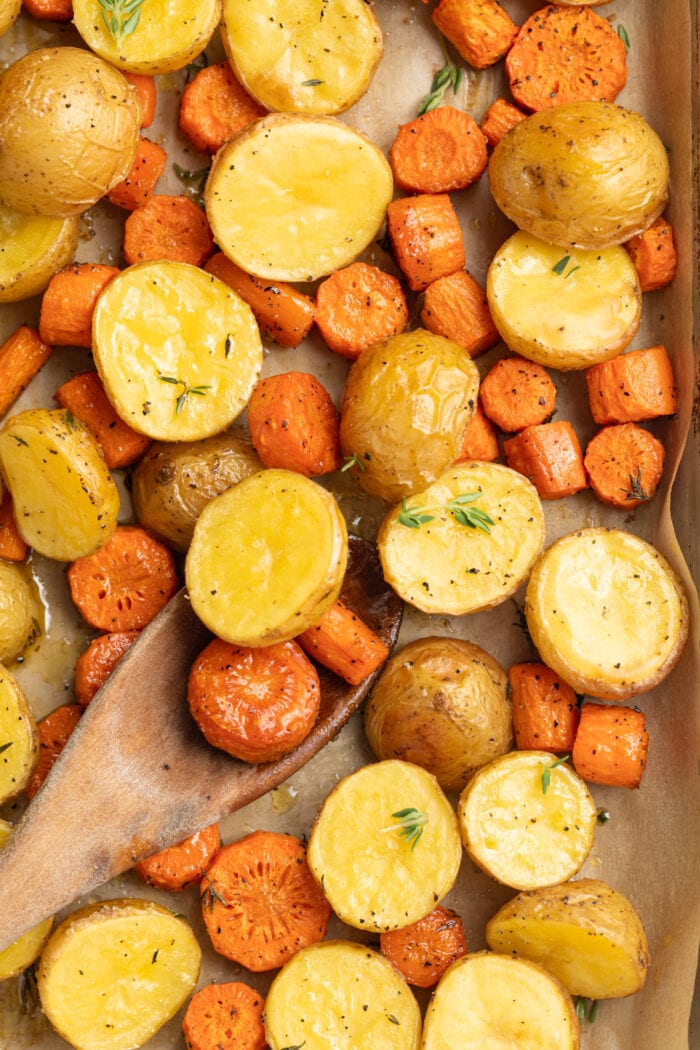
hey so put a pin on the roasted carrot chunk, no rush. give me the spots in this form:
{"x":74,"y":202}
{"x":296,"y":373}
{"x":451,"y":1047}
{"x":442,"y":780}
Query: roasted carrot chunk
{"x":168,"y":227}
{"x":611,"y":745}
{"x":294,"y":424}
{"x":632,"y":387}
{"x":214,"y":106}
{"x":480,"y":440}
{"x":481,"y":30}
{"x":422,"y":951}
{"x":85,"y":398}
{"x":257,"y":704}
{"x":653,"y":254}
{"x":124,"y":584}
{"x":95,"y":665}
{"x":69,"y":302}
{"x":179,"y":866}
{"x":51,"y":10}
{"x":516,"y":394}
{"x":357,"y":306}
{"x":139,"y":184}
{"x":54,"y":731}
{"x":148,"y":96}
{"x":550,"y":456}
{"x":624,"y":465}
{"x":21,"y":356}
{"x":456,"y":307}
{"x":441,"y":150}
{"x":426,"y":237}
{"x":545,"y":710}
{"x":225,"y":1016}
{"x":283,"y":313}
{"x":343,"y":643}
{"x":260,"y":902}
{"x":498,"y":119}
{"x":12,"y":546}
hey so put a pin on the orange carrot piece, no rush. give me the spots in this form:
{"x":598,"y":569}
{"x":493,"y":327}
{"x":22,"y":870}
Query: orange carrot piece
{"x":343,"y":643}
{"x":260,"y":902}
{"x":480,"y":440}
{"x":633,"y":387}
{"x":294,"y":424}
{"x":95,"y":665}
{"x":21,"y":356}
{"x":498,"y":120}
{"x":168,"y":227}
{"x":441,"y":150}
{"x":51,"y":10}
{"x":12,"y":546}
{"x":516,"y":394}
{"x":357,"y":306}
{"x":426,"y":238}
{"x":422,"y":951}
{"x":653,"y":254}
{"x":257,"y":704}
{"x":566,"y":54}
{"x":148,"y":96}
{"x":611,"y":745}
{"x":69,"y":302}
{"x":456,"y":306}
{"x":550,"y":456}
{"x":625,"y":464}
{"x":214,"y":106}
{"x":481,"y":30}
{"x":133,"y":191}
{"x":221,"y":1016}
{"x":124,"y":584}
{"x":545,"y":710}
{"x":283,"y":313}
{"x":85,"y":398}
{"x":178,"y":867}
{"x":54,"y":731}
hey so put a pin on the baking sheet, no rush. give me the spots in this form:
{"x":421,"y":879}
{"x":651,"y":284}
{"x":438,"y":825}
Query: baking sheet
{"x":650,"y":848}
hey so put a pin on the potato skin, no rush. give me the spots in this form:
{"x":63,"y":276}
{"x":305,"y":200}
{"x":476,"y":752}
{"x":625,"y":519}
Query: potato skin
{"x":19,"y":610}
{"x":441,"y":703}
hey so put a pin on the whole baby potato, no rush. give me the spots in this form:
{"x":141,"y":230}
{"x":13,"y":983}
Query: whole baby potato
{"x":584,"y":175}
{"x":69,"y":129}
{"x":19,"y":609}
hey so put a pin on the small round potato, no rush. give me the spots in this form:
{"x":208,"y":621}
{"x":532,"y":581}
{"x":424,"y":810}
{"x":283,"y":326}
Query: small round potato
{"x":19,"y":739}
{"x":19,"y":609}
{"x":27,"y":948}
{"x":33,"y":248}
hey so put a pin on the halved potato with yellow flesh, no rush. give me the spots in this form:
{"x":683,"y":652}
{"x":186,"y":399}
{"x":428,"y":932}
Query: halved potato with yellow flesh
{"x":291,"y":59}
{"x":159,"y":36}
{"x":114,"y":972}
{"x":294,"y":197}
{"x":19,"y":610}
{"x":177,"y":350}
{"x":9,"y":10}
{"x":563,"y":309}
{"x":267,"y":558}
{"x":607,"y":612}
{"x":33,"y":248}
{"x":434,"y":559}
{"x":19,"y":740}
{"x":584,"y":932}
{"x":488,"y":1000}
{"x":27,"y":948}
{"x":527,"y":819}
{"x":385,"y":846}
{"x":338,"y":993}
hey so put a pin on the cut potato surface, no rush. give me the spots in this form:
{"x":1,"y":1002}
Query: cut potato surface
{"x":442,"y":566}
{"x":114,"y":972}
{"x":584,"y":932}
{"x":527,"y":820}
{"x":267,"y":558}
{"x":607,"y":612}
{"x":339,"y":994}
{"x":19,"y":610}
{"x":294,"y":197}
{"x":19,"y":740}
{"x":385,"y":846}
{"x":177,"y":350}
{"x":291,"y":59}
{"x":490,"y":1001}
{"x":32,"y":248}
{"x":563,"y":310}
{"x":26,"y":949}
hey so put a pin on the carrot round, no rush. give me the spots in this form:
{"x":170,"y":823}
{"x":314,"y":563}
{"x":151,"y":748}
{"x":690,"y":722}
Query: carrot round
{"x":653,"y":254}
{"x":54,"y":732}
{"x":566,"y":54}
{"x":166,"y":227}
{"x":550,"y":455}
{"x":624,"y":464}
{"x":294,"y":424}
{"x":440,"y":151}
{"x":69,"y":302}
{"x":95,"y":665}
{"x":179,"y":866}
{"x":148,"y":96}
{"x":84,"y":397}
{"x":343,"y":643}
{"x":357,"y":306}
{"x":225,"y":1017}
{"x":516,"y":393}
{"x":51,"y":10}
{"x":255,"y":703}
{"x":426,"y":238}
{"x":422,"y":951}
{"x":133,"y":191}
{"x":124,"y":584}
{"x":498,"y":119}
{"x":633,"y":387}
{"x":611,"y":745}
{"x":260,"y":902}
{"x":214,"y":106}
{"x":480,"y":440}
{"x":545,"y":709}
{"x":456,"y":307}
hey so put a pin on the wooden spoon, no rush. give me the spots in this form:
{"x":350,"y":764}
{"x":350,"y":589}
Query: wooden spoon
{"x":137,"y":775}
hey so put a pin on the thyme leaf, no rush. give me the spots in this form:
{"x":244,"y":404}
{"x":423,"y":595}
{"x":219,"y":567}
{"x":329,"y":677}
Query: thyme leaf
{"x":352,"y":461}
{"x":602,"y":816}
{"x":636,"y":489}
{"x":413,"y":519}
{"x":410,"y":825}
{"x":121,"y":17}
{"x":196,"y":66}
{"x":586,"y":1009}
{"x":449,"y":75}
{"x":460,"y":508}
{"x":311,"y":83}
{"x":210,"y":895}
{"x":624,"y":36}
{"x":4,"y":747}
{"x":546,"y":777}
{"x":194,"y":182}
{"x":187,"y":391}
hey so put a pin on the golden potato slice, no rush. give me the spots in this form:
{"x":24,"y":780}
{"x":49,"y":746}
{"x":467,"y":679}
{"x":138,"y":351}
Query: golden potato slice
{"x":294,"y":197}
{"x":19,"y":740}
{"x":291,"y":59}
{"x":33,"y":248}
{"x":441,"y":703}
{"x":267,"y":558}
{"x":440,"y":565}
{"x":114,"y":972}
{"x":27,"y":948}
{"x":487,"y":1000}
{"x":527,"y":819}
{"x":19,"y":610}
{"x":65,"y":500}
{"x":9,"y":10}
{"x":338,"y":993}
{"x":563,"y":309}
{"x":607,"y":612}
{"x":584,"y":932}
{"x":385,"y":846}
{"x":159,"y":36}
{"x":177,"y":350}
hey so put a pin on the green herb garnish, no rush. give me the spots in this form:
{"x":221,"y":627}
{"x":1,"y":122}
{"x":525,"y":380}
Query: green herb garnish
{"x":194,"y":181}
{"x":121,"y":17}
{"x":196,"y":66}
{"x":586,"y":1009}
{"x":187,"y":391}
{"x":311,"y":83}
{"x":4,"y":747}
{"x":623,"y":35}
{"x":352,"y":461}
{"x":560,"y":266}
{"x":547,"y":773}
{"x":459,"y":507}
{"x":410,"y":825}
{"x":448,"y":75}
{"x":210,"y":895}
{"x":413,"y":519}
{"x":602,"y":816}
{"x":636,"y":489}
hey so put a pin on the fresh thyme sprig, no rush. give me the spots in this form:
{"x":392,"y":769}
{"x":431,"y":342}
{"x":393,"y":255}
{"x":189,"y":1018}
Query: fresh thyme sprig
{"x":210,"y":895}
{"x":586,"y":1009}
{"x":560,"y":266}
{"x":624,"y":36}
{"x":410,"y":825}
{"x":546,"y":777}
{"x":449,"y":75}
{"x":352,"y":461}
{"x":187,"y":391}
{"x":194,"y":182}
{"x":196,"y":66}
{"x":636,"y":489}
{"x":460,"y":508}
{"x":121,"y":17}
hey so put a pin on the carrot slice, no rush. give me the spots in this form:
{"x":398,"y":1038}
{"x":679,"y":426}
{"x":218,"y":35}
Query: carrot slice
{"x":54,"y":731}
{"x":214,"y":106}
{"x":294,"y":424}
{"x":480,"y":440}
{"x":566,"y":54}
{"x":95,"y":665}
{"x":148,"y":96}
{"x":633,"y":387}
{"x":611,"y":745}
{"x":624,"y":464}
{"x":441,"y":150}
{"x":481,"y":30}
{"x":550,"y":456}
{"x":12,"y":546}
{"x":179,"y":866}
{"x":260,"y":902}
{"x":166,"y":227}
{"x":653,"y":254}
{"x":516,"y":393}
{"x":422,"y":951}
{"x":133,"y":191}
{"x":426,"y":237}
{"x":357,"y":306}
{"x":69,"y":302}
{"x":545,"y":710}
{"x":124,"y":584}
{"x":51,"y":10}
{"x":456,"y":307}
{"x":343,"y":643}
{"x":498,"y":119}
{"x":225,"y":1017}
{"x":85,"y":398}
{"x":21,"y":356}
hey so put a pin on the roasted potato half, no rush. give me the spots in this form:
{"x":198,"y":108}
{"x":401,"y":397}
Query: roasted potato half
{"x":33,"y":248}
{"x":19,"y":610}
{"x":19,"y":740}
{"x":15,"y":959}
{"x":9,"y":10}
